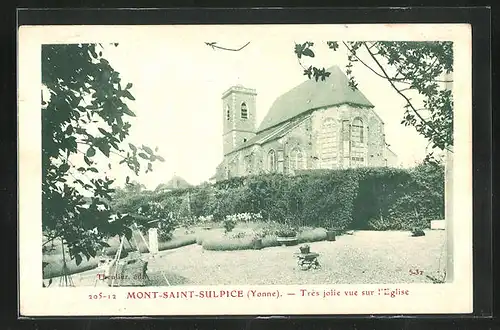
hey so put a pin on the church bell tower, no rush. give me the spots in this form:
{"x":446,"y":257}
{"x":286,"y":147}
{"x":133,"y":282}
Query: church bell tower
{"x":238,"y":117}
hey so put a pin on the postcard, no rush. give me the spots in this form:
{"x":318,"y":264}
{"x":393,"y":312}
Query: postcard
{"x":171,"y":170}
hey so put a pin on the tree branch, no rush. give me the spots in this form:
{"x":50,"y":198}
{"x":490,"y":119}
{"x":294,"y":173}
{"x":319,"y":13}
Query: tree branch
{"x":303,"y":67}
{"x":89,"y":144}
{"x":410,"y":105}
{"x":369,"y":67}
{"x":214,"y":46}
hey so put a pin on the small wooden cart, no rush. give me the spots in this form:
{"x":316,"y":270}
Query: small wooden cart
{"x":307,"y":261}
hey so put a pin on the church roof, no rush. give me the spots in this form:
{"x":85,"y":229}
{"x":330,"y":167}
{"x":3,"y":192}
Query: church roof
{"x":274,"y":133}
{"x":311,"y":94}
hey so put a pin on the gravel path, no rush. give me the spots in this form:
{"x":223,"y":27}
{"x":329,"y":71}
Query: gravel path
{"x":367,"y":257}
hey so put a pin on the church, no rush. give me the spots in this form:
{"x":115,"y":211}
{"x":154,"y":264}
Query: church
{"x":315,"y":125}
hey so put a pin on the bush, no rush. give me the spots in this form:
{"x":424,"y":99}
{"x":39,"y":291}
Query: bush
{"x":312,"y":235}
{"x":270,"y":241}
{"x":229,"y":223}
{"x":229,"y":244}
{"x":387,"y":224}
{"x":177,"y":242}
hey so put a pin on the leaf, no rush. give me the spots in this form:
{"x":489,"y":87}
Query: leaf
{"x":87,"y":160}
{"x":93,"y":169}
{"x":78,"y":259}
{"x":298,"y":50}
{"x":105,"y":149}
{"x":64,"y":167}
{"x":147,"y":149}
{"x":90,"y":152}
{"x":128,"y":95}
{"x":92,"y":253}
{"x":127,"y":111}
{"x":134,"y":148}
{"x":128,"y":232}
{"x":308,"y":52}
{"x":332,"y":45}
{"x":103,"y":131}
{"x":160,"y":158}
{"x":105,"y":244}
{"x":143,"y":155}
{"x":127,"y":179}
{"x":129,"y":85}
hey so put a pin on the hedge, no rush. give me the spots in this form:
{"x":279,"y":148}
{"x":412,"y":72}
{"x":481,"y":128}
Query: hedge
{"x":227,"y":243}
{"x":363,"y":198}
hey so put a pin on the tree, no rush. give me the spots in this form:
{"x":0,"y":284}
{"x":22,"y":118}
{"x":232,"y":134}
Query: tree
{"x":411,"y":68}
{"x":84,"y":119}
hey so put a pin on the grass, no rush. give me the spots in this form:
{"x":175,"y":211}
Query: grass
{"x":367,"y":257}
{"x":211,"y":239}
{"x":55,"y":262}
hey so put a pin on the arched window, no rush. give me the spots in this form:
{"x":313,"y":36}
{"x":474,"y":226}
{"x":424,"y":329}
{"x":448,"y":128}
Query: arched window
{"x":327,"y":141}
{"x":271,"y":161}
{"x":357,"y":131}
{"x":228,"y":112}
{"x":249,"y":164}
{"x":244,"y":111}
{"x":296,"y":160}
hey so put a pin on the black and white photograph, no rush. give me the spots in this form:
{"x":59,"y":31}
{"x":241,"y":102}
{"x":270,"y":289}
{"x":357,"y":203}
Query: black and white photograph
{"x":267,"y":166}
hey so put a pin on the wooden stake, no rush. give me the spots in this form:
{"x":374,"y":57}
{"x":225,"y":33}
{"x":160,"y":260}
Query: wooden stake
{"x":117,"y":258}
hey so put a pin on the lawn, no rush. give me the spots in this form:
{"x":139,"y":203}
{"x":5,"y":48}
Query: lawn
{"x":369,"y":257}
{"x":212,"y":237}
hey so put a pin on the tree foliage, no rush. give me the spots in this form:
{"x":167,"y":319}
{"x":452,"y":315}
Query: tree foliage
{"x":409,"y":67}
{"x":84,"y":121}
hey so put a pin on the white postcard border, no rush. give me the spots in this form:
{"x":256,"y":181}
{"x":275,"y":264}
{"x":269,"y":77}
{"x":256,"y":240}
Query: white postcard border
{"x":34,"y":300}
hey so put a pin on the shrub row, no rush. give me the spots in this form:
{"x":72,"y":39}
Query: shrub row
{"x":363,"y":198}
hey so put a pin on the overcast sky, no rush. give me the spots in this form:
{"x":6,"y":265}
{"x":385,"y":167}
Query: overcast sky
{"x":178,"y":82}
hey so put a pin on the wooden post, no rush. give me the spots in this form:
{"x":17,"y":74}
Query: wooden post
{"x":153,"y":240}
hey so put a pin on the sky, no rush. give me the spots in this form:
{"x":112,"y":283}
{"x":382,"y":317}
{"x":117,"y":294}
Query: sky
{"x":178,"y":82}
